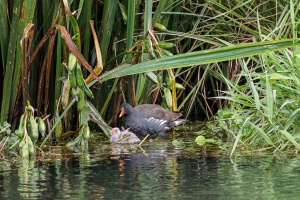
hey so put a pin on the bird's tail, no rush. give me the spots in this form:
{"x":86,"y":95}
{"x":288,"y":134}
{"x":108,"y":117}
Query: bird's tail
{"x":180,"y":121}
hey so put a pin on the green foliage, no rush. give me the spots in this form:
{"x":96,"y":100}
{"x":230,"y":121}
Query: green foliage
{"x":28,"y":132}
{"x":5,"y":129}
{"x":264,"y":111}
{"x":207,"y":45}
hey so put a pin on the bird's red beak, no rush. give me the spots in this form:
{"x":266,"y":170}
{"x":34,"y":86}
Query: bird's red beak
{"x":112,"y":131}
{"x":121,"y":112}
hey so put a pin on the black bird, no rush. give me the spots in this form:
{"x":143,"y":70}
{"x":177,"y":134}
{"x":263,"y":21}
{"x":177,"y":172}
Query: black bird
{"x":156,"y":111}
{"x":142,"y":126}
{"x":117,"y":135}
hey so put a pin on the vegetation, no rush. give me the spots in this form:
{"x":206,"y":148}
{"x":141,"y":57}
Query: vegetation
{"x":239,"y":60}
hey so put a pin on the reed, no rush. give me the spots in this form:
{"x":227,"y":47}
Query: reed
{"x":180,"y":54}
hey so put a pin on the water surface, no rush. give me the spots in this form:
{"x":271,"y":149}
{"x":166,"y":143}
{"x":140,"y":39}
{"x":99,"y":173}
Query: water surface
{"x":158,"y":171}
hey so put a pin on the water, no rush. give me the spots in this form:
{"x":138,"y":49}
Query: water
{"x":159,"y":171}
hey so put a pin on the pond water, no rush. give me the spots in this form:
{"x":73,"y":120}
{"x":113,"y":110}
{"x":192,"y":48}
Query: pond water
{"x":158,"y":171}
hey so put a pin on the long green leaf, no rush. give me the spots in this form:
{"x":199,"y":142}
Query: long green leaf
{"x":130,"y":25}
{"x":263,"y":134}
{"x":159,"y":9}
{"x":107,"y":25}
{"x":250,"y":81}
{"x":26,"y":17}
{"x":237,"y":139}
{"x":270,"y":100}
{"x":200,"y":57}
{"x":87,"y":13}
{"x":108,"y":20}
{"x":4,"y":33}
{"x":10,"y":62}
{"x":290,"y":138}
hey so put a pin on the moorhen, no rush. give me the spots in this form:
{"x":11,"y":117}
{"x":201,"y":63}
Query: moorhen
{"x":156,"y":111}
{"x":117,"y":135}
{"x":142,"y":126}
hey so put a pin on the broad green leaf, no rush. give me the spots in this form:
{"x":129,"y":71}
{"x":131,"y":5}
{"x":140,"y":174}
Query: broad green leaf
{"x":200,"y":57}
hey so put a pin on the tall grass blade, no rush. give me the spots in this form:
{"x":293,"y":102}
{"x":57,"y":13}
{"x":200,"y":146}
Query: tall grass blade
{"x":159,"y":9}
{"x":253,"y":88}
{"x":4,"y":33}
{"x":262,"y":133}
{"x":108,"y":21}
{"x":200,"y":57}
{"x":10,"y":62}
{"x":130,"y":25}
{"x":290,"y":138}
{"x":87,"y":13}
{"x":270,"y":100}
{"x":28,"y":8}
{"x":237,"y":139}
{"x":108,"y":98}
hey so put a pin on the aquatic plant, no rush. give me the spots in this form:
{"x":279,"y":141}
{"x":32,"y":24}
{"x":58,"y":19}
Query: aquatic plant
{"x":179,"y":54}
{"x":262,"y":108}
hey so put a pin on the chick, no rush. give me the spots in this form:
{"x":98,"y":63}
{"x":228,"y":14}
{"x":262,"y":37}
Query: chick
{"x":117,"y":135}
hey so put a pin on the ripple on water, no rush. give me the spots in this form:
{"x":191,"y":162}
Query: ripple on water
{"x":154,"y":172}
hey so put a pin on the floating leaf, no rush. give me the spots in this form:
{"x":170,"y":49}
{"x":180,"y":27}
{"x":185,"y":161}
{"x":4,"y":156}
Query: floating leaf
{"x":200,"y":140}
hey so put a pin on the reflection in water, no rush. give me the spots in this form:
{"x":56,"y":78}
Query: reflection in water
{"x":158,"y":172}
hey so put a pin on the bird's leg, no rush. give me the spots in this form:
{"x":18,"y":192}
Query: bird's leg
{"x":140,"y":144}
{"x":173,"y":135}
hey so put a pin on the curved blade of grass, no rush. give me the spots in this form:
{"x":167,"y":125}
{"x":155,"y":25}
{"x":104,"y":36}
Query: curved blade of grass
{"x":237,"y":16}
{"x":237,"y":139}
{"x":196,"y":37}
{"x":80,"y":6}
{"x":76,"y":31}
{"x":99,"y":66}
{"x":200,"y":57}
{"x":290,"y":138}
{"x":250,"y":81}
{"x":263,"y":134}
{"x":293,"y":117}
{"x":237,"y":100}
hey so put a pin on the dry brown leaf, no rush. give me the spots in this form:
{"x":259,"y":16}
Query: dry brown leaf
{"x":70,"y":44}
{"x":99,"y":67}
